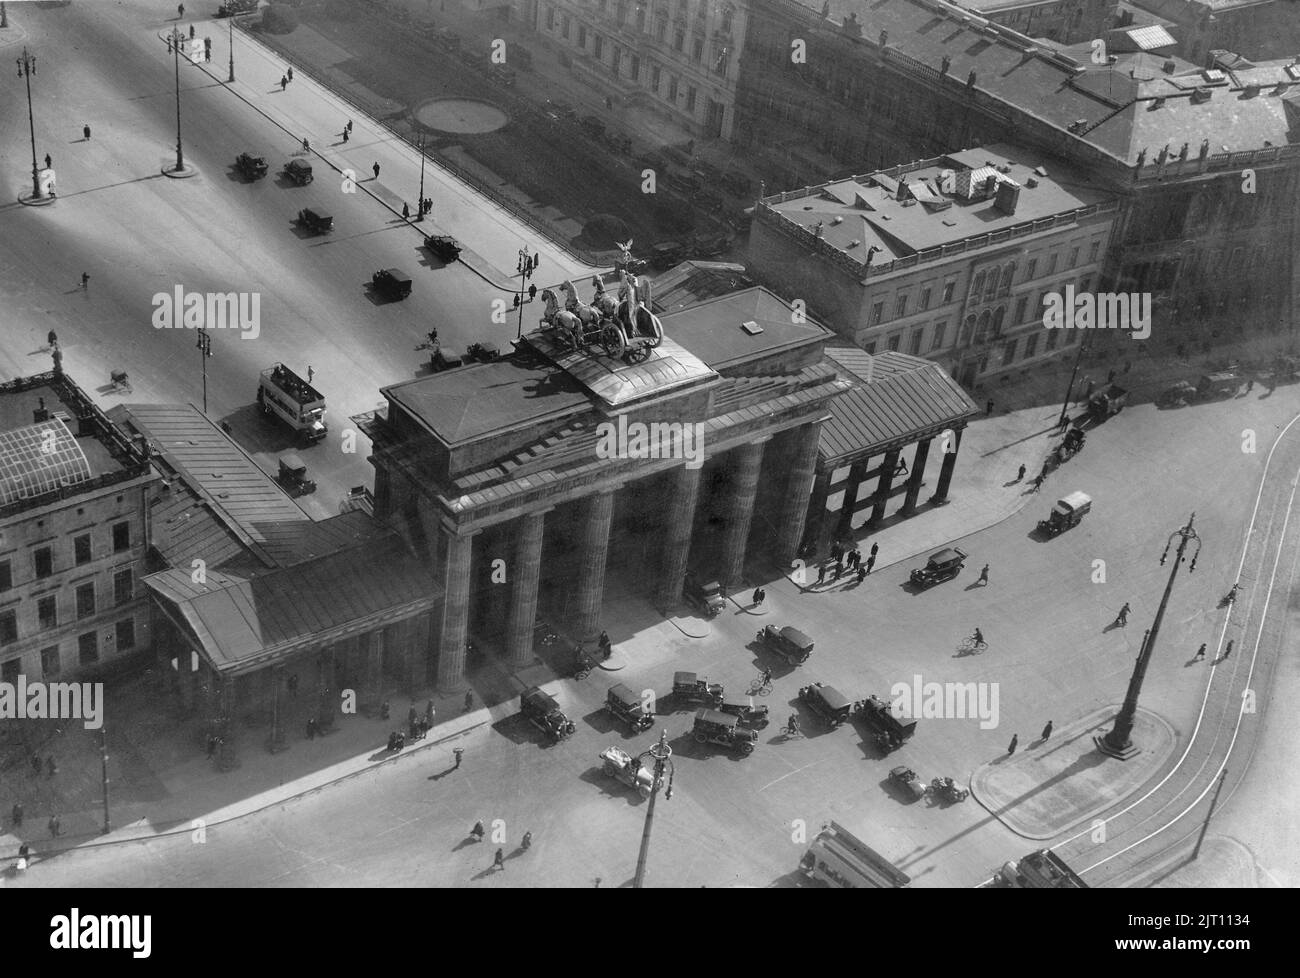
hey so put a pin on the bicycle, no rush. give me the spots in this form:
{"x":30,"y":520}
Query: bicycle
{"x":792,"y":729}
{"x":760,"y":686}
{"x":970,"y":646}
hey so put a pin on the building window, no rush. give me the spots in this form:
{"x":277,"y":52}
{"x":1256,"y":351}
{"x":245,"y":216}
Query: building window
{"x":635,"y":74}
{"x":697,"y":49}
{"x":654,"y":79}
{"x":690,"y":98}
{"x":1051,"y":264}
{"x":47,"y":611}
{"x":998,"y":316}
{"x":123,"y":586}
{"x":1031,"y":345}
{"x":1022,"y":306}
{"x":86,"y":600}
{"x":81,"y":547}
{"x":550,"y":18}
{"x":565,"y":24}
{"x":126,"y":635}
{"x":877,"y":312}
{"x":672,"y":89}
{"x":661,"y":27}
{"x":949,"y":287}
{"x":978,"y":287}
{"x":43,"y":561}
{"x":1009,"y":352}
{"x":88,"y":648}
{"x":11,"y":670}
{"x":50,"y":664}
{"x":8,"y":627}
{"x":925,"y":299}
{"x":6,"y":575}
{"x":900,"y":306}
{"x":917,"y":336}
{"x":894,"y":340}
{"x":1031,"y":269}
{"x":582,"y":36}
{"x":1074,"y":257}
{"x":936,"y":338}
{"x":597,"y":46}
{"x":121,"y":537}
{"x":1093,"y":249}
{"x":679,"y":38}
{"x":620,"y":15}
{"x":991,"y":290}
{"x":726,"y":20}
{"x":616,"y":60}
{"x":967,"y":330}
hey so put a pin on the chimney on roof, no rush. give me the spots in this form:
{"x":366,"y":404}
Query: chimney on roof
{"x":902,"y":193}
{"x":884,"y":38}
{"x":40,"y":414}
{"x":970,"y":79}
{"x":1008,"y":196}
{"x":945,"y":65}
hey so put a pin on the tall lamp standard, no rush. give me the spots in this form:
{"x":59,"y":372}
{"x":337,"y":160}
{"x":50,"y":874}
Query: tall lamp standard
{"x":232,"y":49}
{"x":27,"y":68}
{"x":1119,"y":742}
{"x":1065,"y":405}
{"x":103,"y":756}
{"x":661,"y":753}
{"x":419,"y":201}
{"x":527,"y":265}
{"x":204,"y":343}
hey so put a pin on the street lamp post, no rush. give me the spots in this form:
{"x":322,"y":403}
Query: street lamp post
{"x":419,"y":201}
{"x":1065,"y":405}
{"x":4,"y":16}
{"x":27,"y":68}
{"x":204,"y":343}
{"x":661,"y":753}
{"x":103,"y":749}
{"x":1119,"y":742}
{"x":527,"y":265}
{"x":176,"y":54}
{"x":232,"y":49}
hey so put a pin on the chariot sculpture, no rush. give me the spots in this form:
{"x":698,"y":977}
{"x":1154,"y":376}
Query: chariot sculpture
{"x":624,"y":327}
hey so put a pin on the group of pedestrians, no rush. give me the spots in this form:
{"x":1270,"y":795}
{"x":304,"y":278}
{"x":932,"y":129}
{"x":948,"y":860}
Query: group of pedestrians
{"x":499,"y":859}
{"x":1043,"y":738}
{"x":848,"y":560}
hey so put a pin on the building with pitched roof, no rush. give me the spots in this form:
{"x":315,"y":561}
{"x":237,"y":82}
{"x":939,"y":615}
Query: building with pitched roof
{"x":74,"y":526}
{"x":1258,"y":29}
{"x":1064,"y":21}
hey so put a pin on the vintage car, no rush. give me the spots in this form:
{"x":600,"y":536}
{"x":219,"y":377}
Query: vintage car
{"x":1223,"y":384}
{"x":1108,"y":401}
{"x":1067,"y":513}
{"x":445,"y":358}
{"x":232,"y":8}
{"x":888,"y":730}
{"x":828,"y":703}
{"x":1180,"y":393}
{"x":712,"y":727}
{"x":749,"y":715}
{"x":690,"y":688}
{"x":444,"y":247}
{"x":941,"y":566}
{"x":906,"y":779}
{"x":706,"y":598}
{"x":540,"y":709}
{"x":789,"y":643}
{"x":293,"y":476}
{"x":622,"y":766}
{"x":250,"y":166}
{"x":392,"y":283}
{"x":625,"y":705}
{"x":315,"y":221}
{"x":299,"y":171}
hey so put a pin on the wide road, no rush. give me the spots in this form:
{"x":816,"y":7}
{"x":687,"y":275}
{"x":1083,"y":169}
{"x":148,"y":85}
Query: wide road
{"x":138,"y":233}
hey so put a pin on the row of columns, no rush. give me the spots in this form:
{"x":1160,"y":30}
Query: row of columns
{"x":594,"y":523}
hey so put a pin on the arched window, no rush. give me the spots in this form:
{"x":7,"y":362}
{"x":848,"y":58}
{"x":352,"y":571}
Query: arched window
{"x":991,"y":289}
{"x":982,"y":328}
{"x":978,"y":287}
{"x":967,"y":328}
{"x":1008,"y":274}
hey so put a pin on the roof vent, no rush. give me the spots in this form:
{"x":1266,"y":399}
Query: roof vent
{"x":1294,"y":72}
{"x":1031,"y":182}
{"x":1201,"y":95}
{"x":1170,"y":67}
{"x":1213,"y":75}
{"x":837,"y":220}
{"x":855,"y":243}
{"x":751,"y":327}
{"x":1251,"y":91}
{"x":1041,"y":170}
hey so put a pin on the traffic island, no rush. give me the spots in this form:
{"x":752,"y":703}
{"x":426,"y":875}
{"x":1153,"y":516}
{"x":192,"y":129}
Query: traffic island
{"x":1053,"y":786}
{"x":31,"y":200}
{"x":180,"y":173}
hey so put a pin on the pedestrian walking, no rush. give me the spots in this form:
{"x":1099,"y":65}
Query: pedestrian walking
{"x":499,"y":860}
{"x":311,"y":729}
{"x":212,"y":745}
{"x":345,"y":135}
{"x":406,"y":211}
{"x":1122,"y":618}
{"x":1200,"y":653}
{"x":85,"y":131}
{"x":348,"y":127}
{"x":988,"y":407}
{"x":429,"y":713}
{"x":759,"y":595}
{"x":459,"y":752}
{"x":306,"y":146}
{"x":24,"y":853}
{"x":413,"y":729}
{"x":48,"y":162}
{"x":1110,"y":377}
{"x":469,"y":702}
{"x":18,"y":815}
{"x":605,"y":645}
{"x":85,"y":280}
{"x":862,"y":574}
{"x":855,"y":558}
{"x":821,"y":573}
{"x":428,"y":205}
{"x":51,"y":767}
{"x":1250,"y":382}
{"x":290,"y":73}
{"x":283,"y":82}
{"x":1020,"y":474}
{"x":52,"y":339}
{"x":839,"y":569}
{"x":180,"y":11}
{"x":376,"y":169}
{"x":1228,"y":651}
{"x":56,"y":827}
{"x":1089,"y":384}
{"x":191,"y":32}
{"x":1015,"y":741}
{"x":871,"y":562}
{"x":1047,"y":731}
{"x":875,"y":549}
{"x":984,"y":575}
{"x":478,"y":831}
{"x":1038,"y":481}
{"x":311,"y":373}
{"x":526,"y":842}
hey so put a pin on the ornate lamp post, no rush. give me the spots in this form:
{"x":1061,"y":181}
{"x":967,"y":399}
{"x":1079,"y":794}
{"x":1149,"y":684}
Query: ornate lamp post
{"x":1069,"y":390}
{"x":661,"y":753}
{"x":232,"y":49}
{"x":527,"y":265}
{"x":27,"y":68}
{"x":103,"y":755}
{"x":1119,"y":742}
{"x":419,"y":201}
{"x":203,"y":340}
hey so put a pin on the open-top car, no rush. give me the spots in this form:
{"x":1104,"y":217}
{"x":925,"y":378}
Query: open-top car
{"x":789,"y":643}
{"x":622,"y":766}
{"x":890,"y":732}
{"x":906,"y":779}
{"x":444,"y":246}
{"x":749,"y":715}
{"x":299,"y":171}
{"x":315,"y":221}
{"x":943,"y":565}
{"x":540,"y":709}
{"x":828,"y":703}
{"x":712,"y":727}
{"x":251,"y":166}
{"x":625,"y":705}
{"x":690,"y":688}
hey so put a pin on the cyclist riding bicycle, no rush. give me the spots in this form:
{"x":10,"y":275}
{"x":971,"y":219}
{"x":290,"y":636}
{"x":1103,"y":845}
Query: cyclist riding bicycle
{"x":792,"y":725}
{"x":767,"y":677}
{"x":979,"y":637}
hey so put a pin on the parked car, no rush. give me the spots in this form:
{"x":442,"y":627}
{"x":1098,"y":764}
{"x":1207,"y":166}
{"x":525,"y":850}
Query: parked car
{"x":1180,"y":393}
{"x":392,"y":283}
{"x":828,"y":703}
{"x":293,"y":476}
{"x":443,"y":246}
{"x":540,"y":709}
{"x":626,"y":706}
{"x":1108,"y":401}
{"x":943,"y":565}
{"x":252,"y":167}
{"x":690,"y":688}
{"x":712,"y":727}
{"x":1223,"y":384}
{"x":888,"y":731}
{"x":789,"y":643}
{"x":1068,"y":512}
{"x":622,"y":766}
{"x":749,"y":715}
{"x":706,"y":597}
{"x":299,"y":171}
{"x":315,"y":221}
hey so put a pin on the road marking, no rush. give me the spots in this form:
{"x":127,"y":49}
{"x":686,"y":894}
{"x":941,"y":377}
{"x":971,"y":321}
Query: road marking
{"x":791,"y":774}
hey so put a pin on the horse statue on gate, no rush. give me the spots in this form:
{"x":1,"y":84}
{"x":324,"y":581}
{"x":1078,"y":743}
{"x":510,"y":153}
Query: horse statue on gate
{"x":602,"y":301}
{"x":566,"y":324}
{"x":585,"y":313}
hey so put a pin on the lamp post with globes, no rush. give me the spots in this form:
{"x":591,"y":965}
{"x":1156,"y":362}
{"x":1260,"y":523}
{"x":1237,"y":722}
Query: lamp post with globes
{"x":527,"y":265}
{"x":661,"y":753}
{"x":27,"y":68}
{"x":232,"y":49}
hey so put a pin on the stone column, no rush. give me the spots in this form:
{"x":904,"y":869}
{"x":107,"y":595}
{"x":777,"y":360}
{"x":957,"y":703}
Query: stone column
{"x":596,"y":519}
{"x":746,"y":463}
{"x":459,"y":550}
{"x":816,"y":519}
{"x":887,"y":468}
{"x":945,"y":471}
{"x":524,"y":571}
{"x":848,"y":509}
{"x":418,"y":631}
{"x":372,"y":669}
{"x":918,"y":475}
{"x":793,"y":506}
{"x":679,"y":521}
